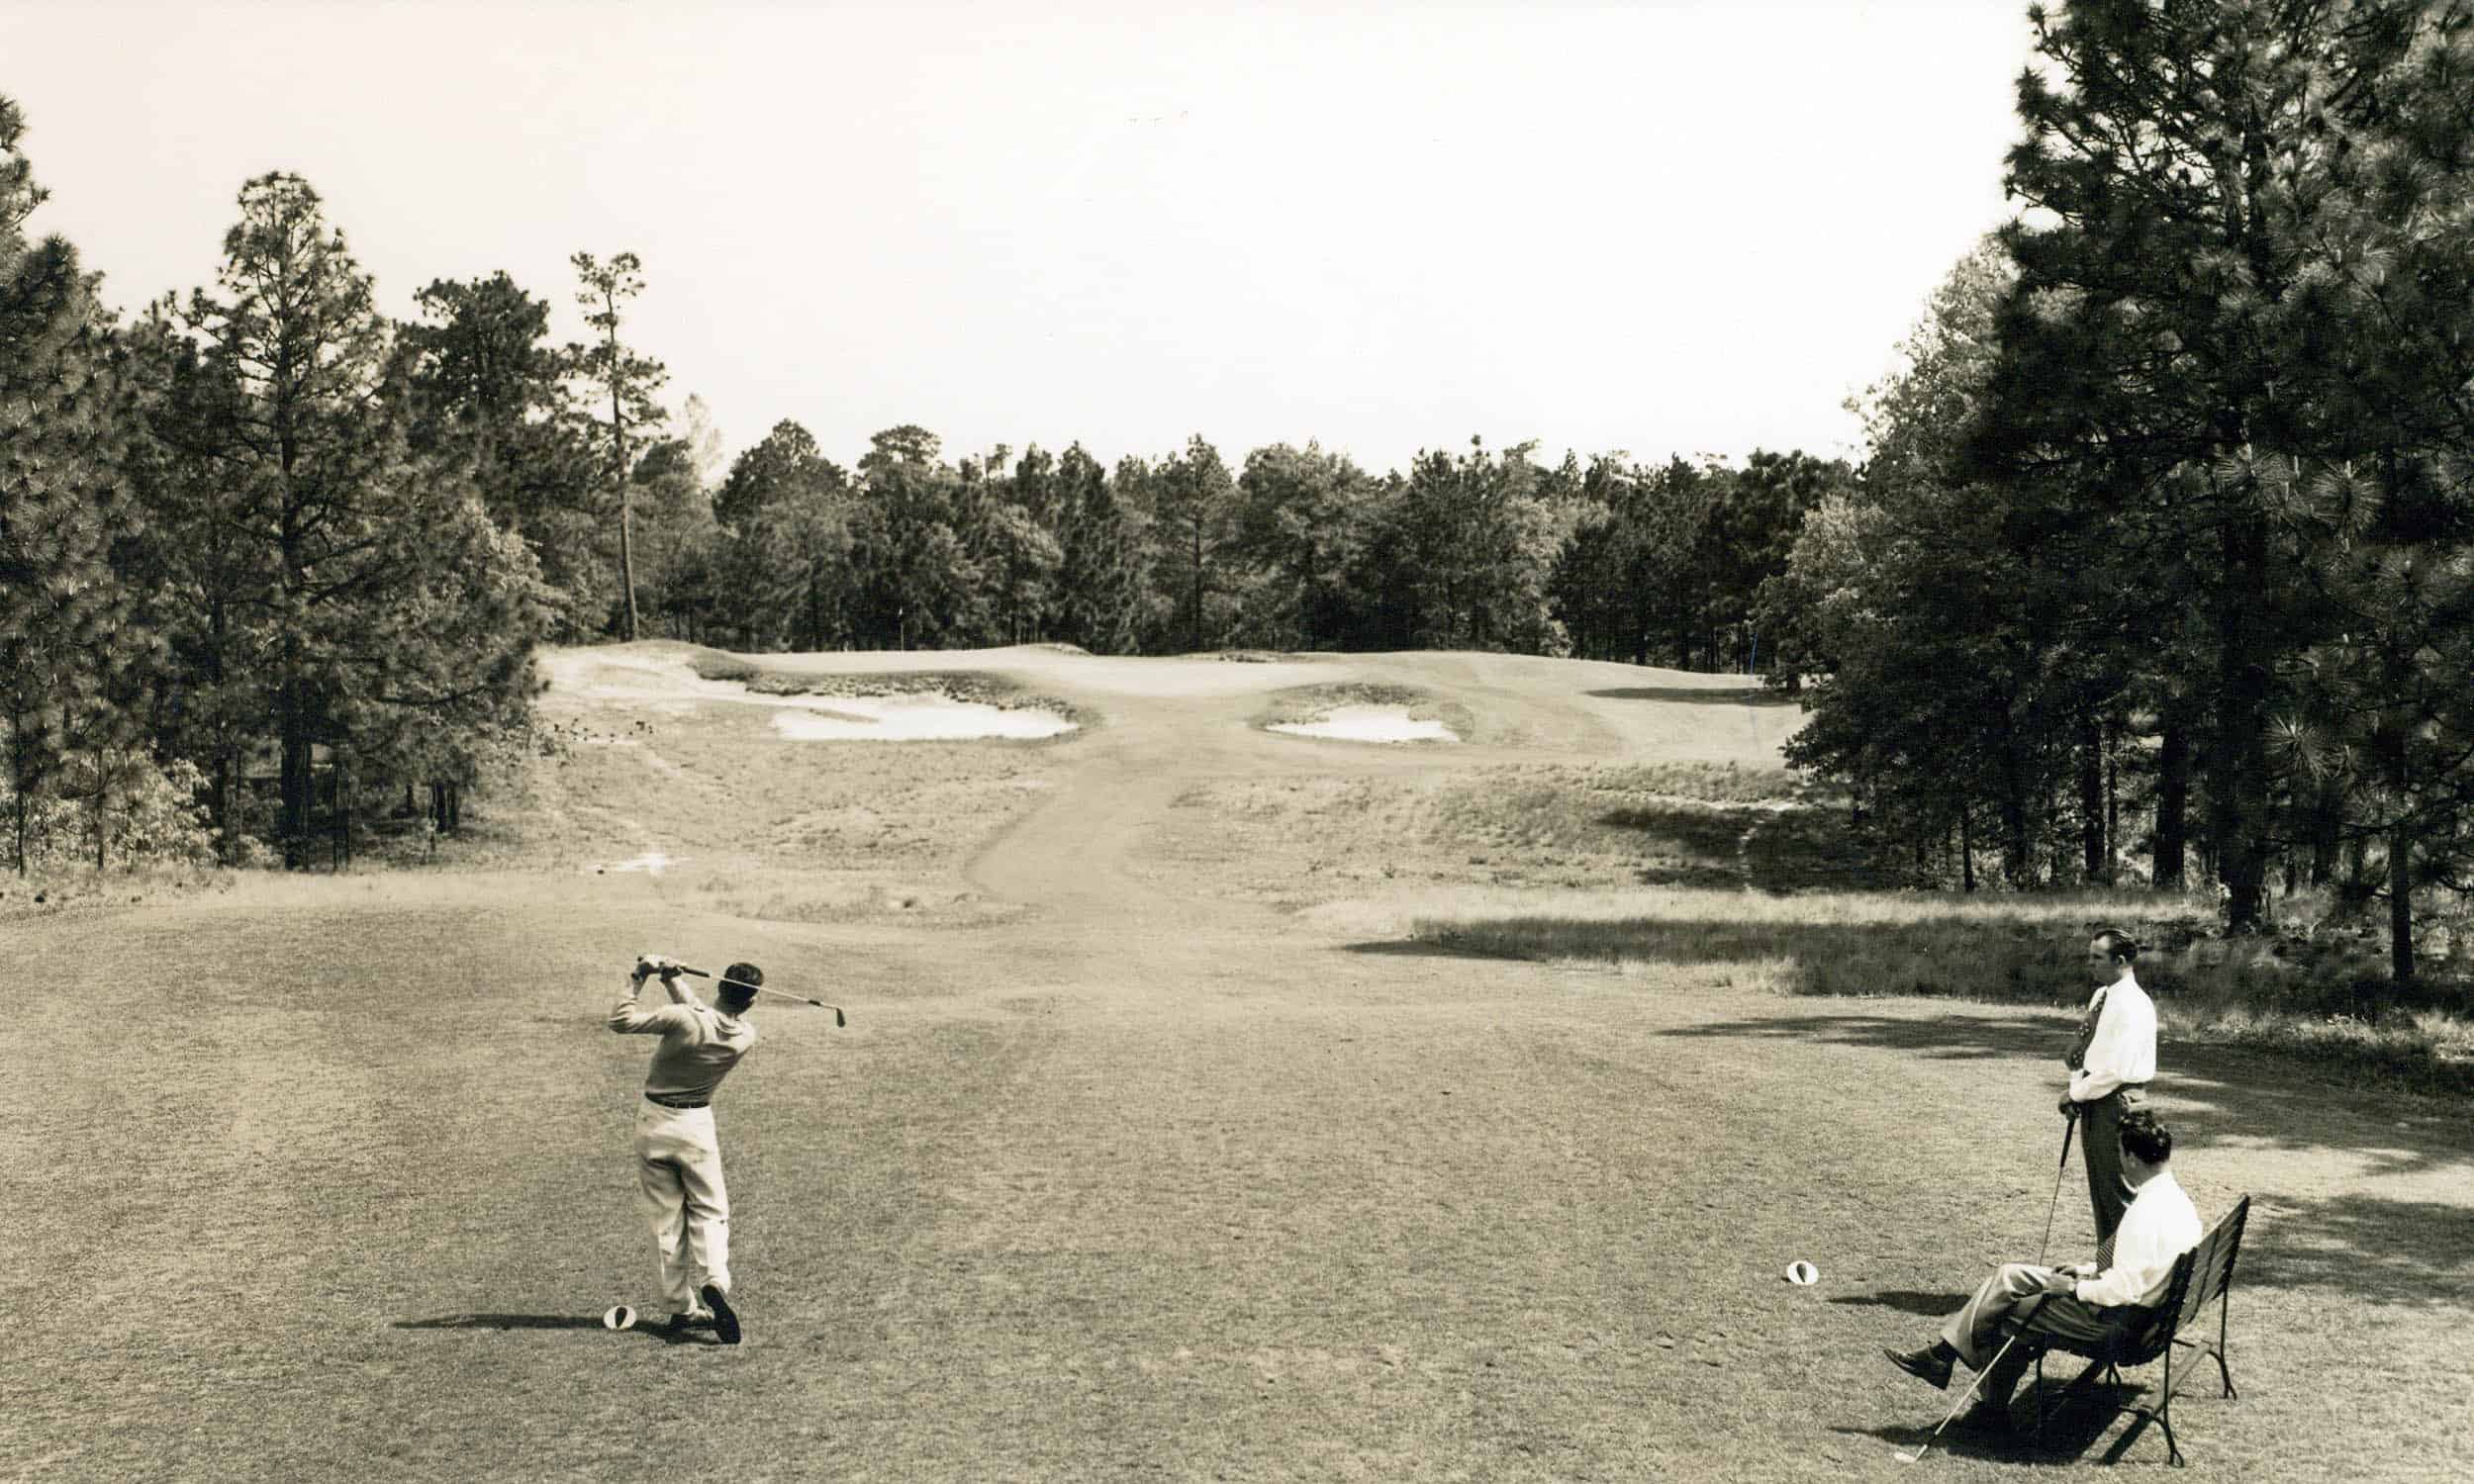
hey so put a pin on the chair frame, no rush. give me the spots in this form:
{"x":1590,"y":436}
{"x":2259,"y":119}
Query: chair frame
{"x":2201,"y":1277}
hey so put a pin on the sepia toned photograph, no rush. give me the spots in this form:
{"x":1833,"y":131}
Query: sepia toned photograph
{"x":1319,"y":741}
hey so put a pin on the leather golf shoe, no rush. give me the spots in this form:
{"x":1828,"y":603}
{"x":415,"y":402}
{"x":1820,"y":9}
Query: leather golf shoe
{"x":725,"y":1320}
{"x":1923,"y":1365}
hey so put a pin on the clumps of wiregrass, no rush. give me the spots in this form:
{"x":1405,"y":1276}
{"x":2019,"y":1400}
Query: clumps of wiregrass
{"x":2326,"y":1002}
{"x":969,"y":687}
{"x":816,"y":896}
{"x":1301,"y":841}
{"x":1304,"y":705}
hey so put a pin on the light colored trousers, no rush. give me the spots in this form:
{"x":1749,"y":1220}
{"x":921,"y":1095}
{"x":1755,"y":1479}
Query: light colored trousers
{"x":1975,"y":1330}
{"x":678,"y":1168}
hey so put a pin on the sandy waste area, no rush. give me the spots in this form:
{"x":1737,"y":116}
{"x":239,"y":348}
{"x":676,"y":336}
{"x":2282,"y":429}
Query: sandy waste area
{"x":1369,"y":724}
{"x":666,"y":682}
{"x":912,"y":718}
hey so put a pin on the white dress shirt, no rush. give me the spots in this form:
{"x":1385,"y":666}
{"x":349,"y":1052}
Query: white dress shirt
{"x":2124,"y":1048}
{"x":2160,"y":1225}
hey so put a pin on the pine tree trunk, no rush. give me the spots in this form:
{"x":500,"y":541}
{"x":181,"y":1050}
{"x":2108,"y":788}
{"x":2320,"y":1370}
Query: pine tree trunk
{"x":2018,"y":855}
{"x":619,"y":449}
{"x":226,"y":783}
{"x":2091,"y":800}
{"x":220,"y":794}
{"x":2173,"y":792}
{"x":1966,"y":845}
{"x":2238,"y":775}
{"x":295,"y":772}
{"x":2401,"y":906}
{"x":17,"y":787}
{"x":2113,"y":805}
{"x":2327,"y":824}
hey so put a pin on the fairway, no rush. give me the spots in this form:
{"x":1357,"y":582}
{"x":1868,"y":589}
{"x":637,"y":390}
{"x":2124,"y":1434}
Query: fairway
{"x":1143,"y":1155}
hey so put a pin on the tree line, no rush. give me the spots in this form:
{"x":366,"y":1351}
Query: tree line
{"x":264,"y":547}
{"x":2162,"y":552}
{"x":1296,"y":548}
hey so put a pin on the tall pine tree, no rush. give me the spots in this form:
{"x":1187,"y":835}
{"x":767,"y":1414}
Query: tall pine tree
{"x":72,"y":660}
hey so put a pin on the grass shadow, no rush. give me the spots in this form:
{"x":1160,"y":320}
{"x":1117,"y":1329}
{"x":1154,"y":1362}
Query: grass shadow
{"x":2077,"y":1413}
{"x":502,"y":1322}
{"x":1909,"y":1436}
{"x":1733,"y":696}
{"x":1907,"y":1301}
{"x":506,"y":1322}
{"x":2400,"y":1253}
{"x":1955,"y":1034}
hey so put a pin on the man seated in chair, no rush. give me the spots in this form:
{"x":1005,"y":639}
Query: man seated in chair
{"x":2077,"y":1304}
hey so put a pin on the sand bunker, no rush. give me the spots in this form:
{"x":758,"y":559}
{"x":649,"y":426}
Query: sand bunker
{"x":653,"y":861}
{"x":912,"y":718}
{"x":668,"y":683}
{"x":1369,"y":724}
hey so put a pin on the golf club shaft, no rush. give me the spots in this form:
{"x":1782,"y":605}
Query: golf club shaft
{"x":761,"y":990}
{"x":1970,"y":1394}
{"x":2069,"y":1128}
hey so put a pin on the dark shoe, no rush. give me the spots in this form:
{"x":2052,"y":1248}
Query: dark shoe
{"x":725,"y":1320}
{"x":688,"y":1318}
{"x":1923,"y":1365}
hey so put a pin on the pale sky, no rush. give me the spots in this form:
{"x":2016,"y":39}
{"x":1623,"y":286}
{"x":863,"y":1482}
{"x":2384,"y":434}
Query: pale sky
{"x":1666,"y":228}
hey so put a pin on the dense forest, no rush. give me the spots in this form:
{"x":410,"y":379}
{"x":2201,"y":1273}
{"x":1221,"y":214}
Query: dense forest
{"x":263,"y":546}
{"x":2156,"y":570}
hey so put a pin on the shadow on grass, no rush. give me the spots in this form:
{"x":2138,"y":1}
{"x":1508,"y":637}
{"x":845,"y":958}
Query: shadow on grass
{"x":1418,"y":948}
{"x":505,"y":1322}
{"x":1950,"y":1036}
{"x":2207,"y":1094}
{"x":2078,"y":1412}
{"x":1933,"y":956}
{"x":1731,"y":695}
{"x":1908,"y":1301}
{"x":2405,"y":1253}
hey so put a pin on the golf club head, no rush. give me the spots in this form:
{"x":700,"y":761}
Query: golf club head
{"x":837,"y":1018}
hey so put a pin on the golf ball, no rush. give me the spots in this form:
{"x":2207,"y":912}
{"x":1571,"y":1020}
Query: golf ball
{"x":1801,"y":1272}
{"x":621,"y":1317}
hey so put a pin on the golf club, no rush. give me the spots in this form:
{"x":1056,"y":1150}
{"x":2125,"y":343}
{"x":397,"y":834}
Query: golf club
{"x":2068,"y":1129}
{"x":1903,"y":1457}
{"x":776,"y":993}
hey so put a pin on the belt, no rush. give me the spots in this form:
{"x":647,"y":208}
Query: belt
{"x":677,"y":1102}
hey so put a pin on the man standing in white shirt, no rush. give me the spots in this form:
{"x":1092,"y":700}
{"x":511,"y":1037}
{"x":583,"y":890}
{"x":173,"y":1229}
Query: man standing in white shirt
{"x":2110,"y":1069}
{"x":2084,"y":1303}
{"x":678,"y":1158}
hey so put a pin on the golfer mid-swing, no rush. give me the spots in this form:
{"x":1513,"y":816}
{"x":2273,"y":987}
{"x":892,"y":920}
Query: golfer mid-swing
{"x":678,"y":1160}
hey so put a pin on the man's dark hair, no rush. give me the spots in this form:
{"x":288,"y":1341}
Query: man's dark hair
{"x":2119,"y":944}
{"x":738,"y":986}
{"x":2143,"y":1136}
